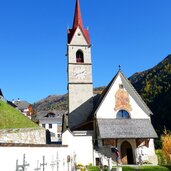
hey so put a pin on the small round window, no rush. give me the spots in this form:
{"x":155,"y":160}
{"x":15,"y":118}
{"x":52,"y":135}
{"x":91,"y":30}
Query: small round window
{"x":122,"y":114}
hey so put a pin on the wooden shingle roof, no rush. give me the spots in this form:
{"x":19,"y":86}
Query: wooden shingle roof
{"x":126,"y":128}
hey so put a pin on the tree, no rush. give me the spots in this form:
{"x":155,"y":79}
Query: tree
{"x":166,"y":145}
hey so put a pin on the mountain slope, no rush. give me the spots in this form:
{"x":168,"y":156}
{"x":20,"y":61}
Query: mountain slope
{"x":154,"y":86}
{"x":51,"y":102}
{"x":12,"y":118}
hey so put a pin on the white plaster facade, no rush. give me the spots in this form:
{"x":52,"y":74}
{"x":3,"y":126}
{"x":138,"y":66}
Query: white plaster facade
{"x":82,"y":145}
{"x":106,"y":110}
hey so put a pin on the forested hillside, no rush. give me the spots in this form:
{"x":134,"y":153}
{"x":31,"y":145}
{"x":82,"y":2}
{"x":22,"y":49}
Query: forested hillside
{"x":154,"y":86}
{"x":51,"y":102}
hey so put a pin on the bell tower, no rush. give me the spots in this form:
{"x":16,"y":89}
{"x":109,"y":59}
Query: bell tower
{"x":79,"y":67}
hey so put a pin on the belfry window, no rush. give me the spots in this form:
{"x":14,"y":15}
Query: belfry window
{"x":79,"y":57}
{"x":122,"y":114}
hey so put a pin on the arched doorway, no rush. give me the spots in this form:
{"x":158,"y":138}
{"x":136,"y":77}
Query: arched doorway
{"x":126,"y":153}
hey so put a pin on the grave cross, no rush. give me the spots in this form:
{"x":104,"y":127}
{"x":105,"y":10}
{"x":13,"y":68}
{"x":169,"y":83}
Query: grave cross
{"x":37,"y":168}
{"x":52,"y":163}
{"x":18,"y":166}
{"x":57,"y":161}
{"x":23,"y":166}
{"x":43,"y":164}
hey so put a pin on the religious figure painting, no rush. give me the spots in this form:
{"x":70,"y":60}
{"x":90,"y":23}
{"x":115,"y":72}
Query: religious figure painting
{"x":122,"y":100}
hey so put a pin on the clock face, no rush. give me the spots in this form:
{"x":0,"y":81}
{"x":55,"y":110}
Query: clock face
{"x":80,"y":73}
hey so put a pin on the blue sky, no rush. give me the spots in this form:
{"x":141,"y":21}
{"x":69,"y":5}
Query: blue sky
{"x":135,"y":34}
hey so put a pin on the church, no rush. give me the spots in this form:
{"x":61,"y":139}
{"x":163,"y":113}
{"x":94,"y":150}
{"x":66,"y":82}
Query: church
{"x":118,"y":117}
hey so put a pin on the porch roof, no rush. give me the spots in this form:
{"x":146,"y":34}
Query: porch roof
{"x":126,"y":128}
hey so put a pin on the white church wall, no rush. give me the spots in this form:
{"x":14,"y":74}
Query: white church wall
{"x":137,"y":112}
{"x":82,"y":146}
{"x":107,"y":111}
{"x":72,"y":53}
{"x":147,"y":153}
{"x":78,"y":38}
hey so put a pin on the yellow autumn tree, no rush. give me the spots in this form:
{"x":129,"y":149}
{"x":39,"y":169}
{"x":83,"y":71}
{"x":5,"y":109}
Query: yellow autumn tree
{"x":166,"y":145}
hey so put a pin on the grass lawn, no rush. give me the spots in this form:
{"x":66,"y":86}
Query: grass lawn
{"x":12,"y":118}
{"x":146,"y":168}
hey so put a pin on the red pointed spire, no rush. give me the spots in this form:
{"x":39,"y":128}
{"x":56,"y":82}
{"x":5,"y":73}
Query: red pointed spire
{"x":78,"y":23}
{"x":77,"y":16}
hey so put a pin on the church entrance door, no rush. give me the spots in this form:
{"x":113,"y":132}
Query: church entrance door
{"x":126,"y":153}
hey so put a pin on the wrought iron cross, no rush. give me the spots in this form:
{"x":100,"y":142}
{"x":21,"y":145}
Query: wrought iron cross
{"x":43,"y":164}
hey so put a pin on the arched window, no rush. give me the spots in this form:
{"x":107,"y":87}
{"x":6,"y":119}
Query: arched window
{"x":79,"y":57}
{"x":122,"y":114}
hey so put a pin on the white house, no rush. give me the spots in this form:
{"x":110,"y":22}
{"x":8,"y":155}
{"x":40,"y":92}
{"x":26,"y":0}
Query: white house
{"x":52,"y":121}
{"x":24,"y":107}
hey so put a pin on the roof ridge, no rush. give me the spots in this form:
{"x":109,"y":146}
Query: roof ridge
{"x":138,"y":95}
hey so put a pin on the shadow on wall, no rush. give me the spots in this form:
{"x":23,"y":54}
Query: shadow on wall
{"x":80,"y":114}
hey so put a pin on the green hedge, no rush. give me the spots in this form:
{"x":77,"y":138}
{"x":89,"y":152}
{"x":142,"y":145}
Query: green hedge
{"x":161,"y":157}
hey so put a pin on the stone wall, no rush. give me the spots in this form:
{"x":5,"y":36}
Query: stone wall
{"x":25,"y":136}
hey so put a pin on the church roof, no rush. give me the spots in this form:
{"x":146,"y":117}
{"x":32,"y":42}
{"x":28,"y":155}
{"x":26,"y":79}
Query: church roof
{"x":77,"y":17}
{"x":78,"y":23}
{"x":126,"y":128}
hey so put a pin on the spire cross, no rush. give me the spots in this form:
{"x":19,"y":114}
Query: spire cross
{"x":119,"y":67}
{"x":43,"y":164}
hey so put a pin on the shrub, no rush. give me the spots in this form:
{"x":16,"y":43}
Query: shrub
{"x":81,"y":167}
{"x":90,"y":167}
{"x":166,"y":145}
{"x":161,"y":157}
